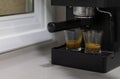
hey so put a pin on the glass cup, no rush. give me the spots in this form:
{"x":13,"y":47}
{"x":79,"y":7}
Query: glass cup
{"x":73,"y":39}
{"x":92,"y":40}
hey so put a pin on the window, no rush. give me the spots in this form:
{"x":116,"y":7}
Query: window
{"x":12,"y":7}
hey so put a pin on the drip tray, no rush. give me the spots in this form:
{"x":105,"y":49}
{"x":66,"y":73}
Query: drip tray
{"x":76,"y":59}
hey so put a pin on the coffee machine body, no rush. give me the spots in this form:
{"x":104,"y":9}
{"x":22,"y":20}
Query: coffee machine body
{"x":105,"y":17}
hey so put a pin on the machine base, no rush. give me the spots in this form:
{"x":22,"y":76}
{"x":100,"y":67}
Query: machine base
{"x":103,"y":62}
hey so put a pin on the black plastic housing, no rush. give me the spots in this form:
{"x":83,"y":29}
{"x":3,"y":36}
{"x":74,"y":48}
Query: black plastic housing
{"x":87,"y":3}
{"x":102,"y":63}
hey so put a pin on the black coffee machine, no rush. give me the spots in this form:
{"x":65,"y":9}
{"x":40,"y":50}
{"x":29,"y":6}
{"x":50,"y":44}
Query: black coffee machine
{"x":90,"y":14}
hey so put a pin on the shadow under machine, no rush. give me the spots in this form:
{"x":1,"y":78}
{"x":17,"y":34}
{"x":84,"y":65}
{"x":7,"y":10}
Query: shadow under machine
{"x":89,"y":14}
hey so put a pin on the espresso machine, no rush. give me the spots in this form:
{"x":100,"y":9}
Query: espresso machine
{"x":89,"y":14}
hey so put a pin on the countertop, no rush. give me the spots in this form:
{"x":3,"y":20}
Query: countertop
{"x":34,"y":62}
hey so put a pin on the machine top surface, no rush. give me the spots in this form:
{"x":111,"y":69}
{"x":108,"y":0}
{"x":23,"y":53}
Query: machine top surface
{"x":87,"y":3}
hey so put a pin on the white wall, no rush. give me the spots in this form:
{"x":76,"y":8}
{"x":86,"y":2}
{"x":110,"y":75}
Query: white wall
{"x":22,"y":30}
{"x":61,"y":13}
{"x":60,"y":16}
{"x":17,"y":31}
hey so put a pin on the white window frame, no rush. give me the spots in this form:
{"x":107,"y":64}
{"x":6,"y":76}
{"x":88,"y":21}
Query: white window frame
{"x":25,"y":29}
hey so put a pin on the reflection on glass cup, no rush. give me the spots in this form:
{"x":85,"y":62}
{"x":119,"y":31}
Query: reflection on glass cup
{"x":92,"y":40}
{"x":73,"y":38}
